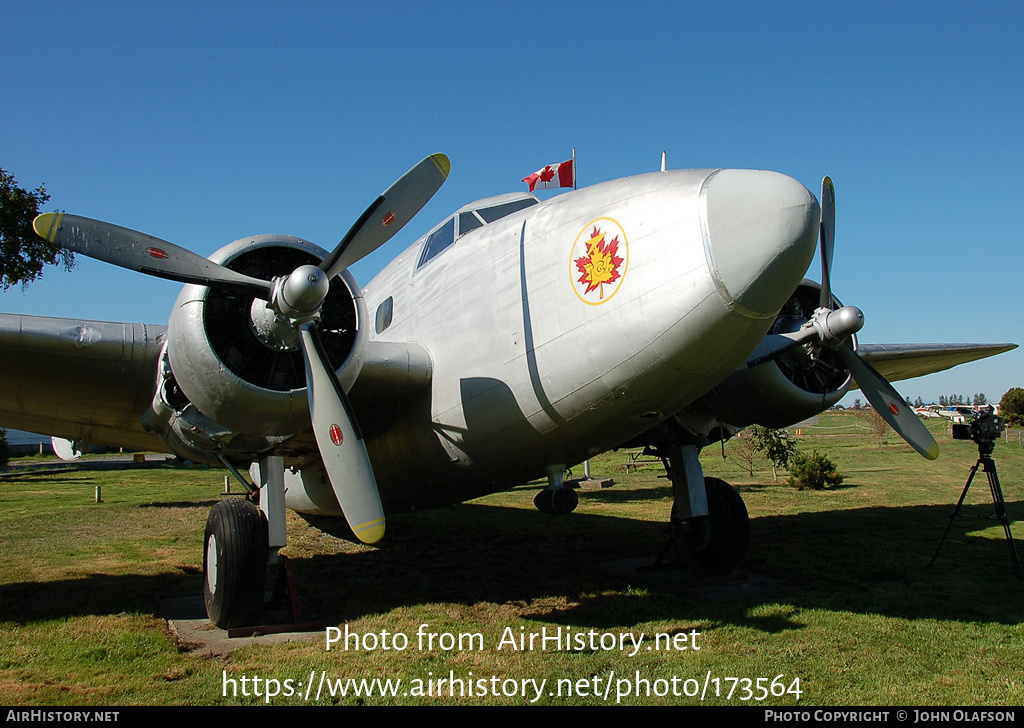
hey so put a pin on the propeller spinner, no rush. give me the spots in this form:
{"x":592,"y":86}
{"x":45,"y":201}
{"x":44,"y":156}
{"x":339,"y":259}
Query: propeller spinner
{"x":295,"y":301}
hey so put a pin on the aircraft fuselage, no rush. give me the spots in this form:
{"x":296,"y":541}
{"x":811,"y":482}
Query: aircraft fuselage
{"x":540,"y":356}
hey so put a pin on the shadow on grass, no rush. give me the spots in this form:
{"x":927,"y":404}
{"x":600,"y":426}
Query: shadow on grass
{"x":95,"y":594}
{"x":871,"y":561}
{"x":51,"y":468}
{"x":631,"y":495}
{"x":41,"y":476}
{"x":760,"y":487}
{"x":183,"y":504}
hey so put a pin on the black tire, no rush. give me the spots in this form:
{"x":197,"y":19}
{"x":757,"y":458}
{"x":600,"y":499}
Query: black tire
{"x":565,"y":501}
{"x":556,"y":502}
{"x":719,"y":541}
{"x":234,"y":563}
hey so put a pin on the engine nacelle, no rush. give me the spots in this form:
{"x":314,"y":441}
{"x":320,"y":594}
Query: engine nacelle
{"x":791,"y":388}
{"x":225,"y":360}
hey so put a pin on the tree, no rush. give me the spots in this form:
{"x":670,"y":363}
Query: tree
{"x":747,"y":451}
{"x":878,"y":426}
{"x":4,"y":451}
{"x":23,"y":253}
{"x":776,"y":446}
{"x":1011,"y":408}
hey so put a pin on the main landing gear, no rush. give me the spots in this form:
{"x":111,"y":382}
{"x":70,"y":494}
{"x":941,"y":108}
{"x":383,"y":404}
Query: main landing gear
{"x":234,"y":563}
{"x":709,"y":529}
{"x":719,"y":540}
{"x":242,"y":540}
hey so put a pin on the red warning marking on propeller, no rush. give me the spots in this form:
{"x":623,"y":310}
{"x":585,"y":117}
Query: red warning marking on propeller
{"x":388,"y":219}
{"x":894,"y":409}
{"x":156,"y":253}
{"x":336,"y":437}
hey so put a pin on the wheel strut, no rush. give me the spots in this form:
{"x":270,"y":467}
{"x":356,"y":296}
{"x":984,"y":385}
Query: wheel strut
{"x":708,"y":530}
{"x":234,"y":585}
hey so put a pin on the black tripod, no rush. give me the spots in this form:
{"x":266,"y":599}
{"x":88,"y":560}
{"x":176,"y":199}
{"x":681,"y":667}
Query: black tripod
{"x":985,"y":449}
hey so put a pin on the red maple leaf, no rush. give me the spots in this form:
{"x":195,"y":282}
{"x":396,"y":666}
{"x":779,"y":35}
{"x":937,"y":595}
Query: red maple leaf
{"x":601,"y":263}
{"x":547,"y":175}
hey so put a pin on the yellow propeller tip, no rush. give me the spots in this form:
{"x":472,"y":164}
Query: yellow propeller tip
{"x":933,"y":451}
{"x":371,"y":532}
{"x":444,"y":165}
{"x":44,"y":225}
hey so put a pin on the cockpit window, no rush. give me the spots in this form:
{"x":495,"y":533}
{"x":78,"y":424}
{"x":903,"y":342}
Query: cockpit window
{"x":468,"y":221}
{"x":490,"y":214}
{"x":438,"y":241}
{"x":470,"y":218}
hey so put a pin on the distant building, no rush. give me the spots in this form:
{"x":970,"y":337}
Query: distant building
{"x":20,"y":442}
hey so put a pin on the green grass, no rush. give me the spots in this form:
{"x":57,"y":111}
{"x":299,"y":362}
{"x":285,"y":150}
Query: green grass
{"x":843,"y":597}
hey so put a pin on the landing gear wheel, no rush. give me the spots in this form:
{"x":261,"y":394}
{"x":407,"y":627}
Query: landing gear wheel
{"x":234,"y":563}
{"x":556,"y":501}
{"x":719,"y":540}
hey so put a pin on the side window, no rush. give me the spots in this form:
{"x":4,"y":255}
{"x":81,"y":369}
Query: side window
{"x":384,"y":313}
{"x":441,"y":239}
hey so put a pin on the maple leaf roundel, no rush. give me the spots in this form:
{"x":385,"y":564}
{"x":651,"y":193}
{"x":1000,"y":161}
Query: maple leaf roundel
{"x":597,"y":264}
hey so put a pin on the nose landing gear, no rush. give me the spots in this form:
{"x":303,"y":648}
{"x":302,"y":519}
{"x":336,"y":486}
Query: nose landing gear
{"x":557,"y":499}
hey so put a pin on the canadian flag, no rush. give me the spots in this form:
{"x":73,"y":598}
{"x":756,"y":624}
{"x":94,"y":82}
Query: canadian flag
{"x":553,"y":176}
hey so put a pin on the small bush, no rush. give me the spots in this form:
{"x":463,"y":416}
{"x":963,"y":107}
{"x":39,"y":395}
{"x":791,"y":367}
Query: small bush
{"x":814,"y":471}
{"x":4,"y":453}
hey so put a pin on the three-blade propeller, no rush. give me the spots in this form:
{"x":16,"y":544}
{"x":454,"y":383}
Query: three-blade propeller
{"x":830,"y":328}
{"x":297,"y":298}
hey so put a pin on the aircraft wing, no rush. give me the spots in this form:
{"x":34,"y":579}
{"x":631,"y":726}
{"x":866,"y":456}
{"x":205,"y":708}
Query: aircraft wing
{"x":80,"y":380}
{"x":903,"y":361}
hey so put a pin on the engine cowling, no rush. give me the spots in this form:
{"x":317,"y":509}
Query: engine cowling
{"x":792,"y":387}
{"x":230,"y":372}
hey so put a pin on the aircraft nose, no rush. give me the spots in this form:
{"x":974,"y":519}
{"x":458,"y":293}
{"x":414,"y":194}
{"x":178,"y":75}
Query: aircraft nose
{"x":760,"y":232}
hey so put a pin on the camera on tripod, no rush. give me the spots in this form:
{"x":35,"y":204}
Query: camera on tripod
{"x":985,"y":427}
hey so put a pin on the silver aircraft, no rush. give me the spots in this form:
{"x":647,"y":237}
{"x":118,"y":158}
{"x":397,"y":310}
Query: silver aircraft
{"x":667,"y":310}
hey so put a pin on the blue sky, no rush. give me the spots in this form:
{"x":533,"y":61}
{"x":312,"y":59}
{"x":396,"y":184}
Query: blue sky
{"x":202,"y":123}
